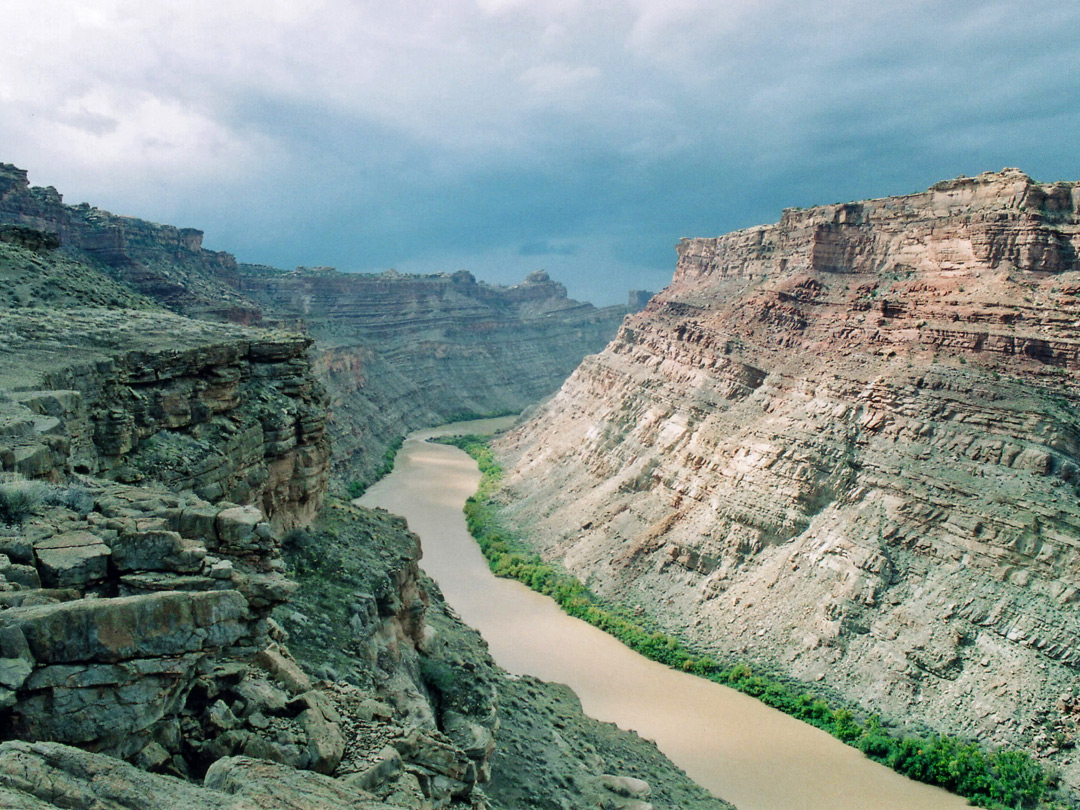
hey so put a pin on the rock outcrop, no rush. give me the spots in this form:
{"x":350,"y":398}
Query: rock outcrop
{"x":45,"y":776}
{"x":224,"y":411}
{"x":123,"y":610}
{"x":846,"y":445}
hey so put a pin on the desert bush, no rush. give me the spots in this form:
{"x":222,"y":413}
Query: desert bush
{"x":18,"y":500}
{"x":77,"y":499}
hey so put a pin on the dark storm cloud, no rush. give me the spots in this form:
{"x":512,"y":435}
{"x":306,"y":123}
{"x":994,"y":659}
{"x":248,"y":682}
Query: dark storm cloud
{"x":498,"y":135}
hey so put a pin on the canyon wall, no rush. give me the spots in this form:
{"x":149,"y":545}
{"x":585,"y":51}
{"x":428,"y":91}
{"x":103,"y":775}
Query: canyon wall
{"x":165,"y":263}
{"x":402,"y":352}
{"x":846,"y":446}
{"x":396,"y":352}
{"x":222,"y":411}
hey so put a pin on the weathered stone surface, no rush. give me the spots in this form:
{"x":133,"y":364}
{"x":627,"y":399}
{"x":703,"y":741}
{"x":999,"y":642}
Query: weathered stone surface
{"x":325,"y":745}
{"x":109,"y":630}
{"x":237,"y":530}
{"x":72,"y":560}
{"x":627,"y":786}
{"x":845,"y":445}
{"x":387,"y":766}
{"x":102,"y":704}
{"x":157,"y":551}
{"x":284,"y":670}
{"x":48,"y":775}
{"x":270,"y":785}
{"x":16,"y":661}
{"x":171,"y":400}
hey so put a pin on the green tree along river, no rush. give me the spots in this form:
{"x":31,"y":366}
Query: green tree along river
{"x":736,"y":746}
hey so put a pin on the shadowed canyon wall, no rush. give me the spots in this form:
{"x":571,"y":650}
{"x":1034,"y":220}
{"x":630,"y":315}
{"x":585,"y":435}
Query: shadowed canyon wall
{"x":402,"y":352}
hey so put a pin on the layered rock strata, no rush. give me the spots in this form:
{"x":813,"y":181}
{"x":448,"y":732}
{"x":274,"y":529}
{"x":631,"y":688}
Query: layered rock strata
{"x":396,"y":352}
{"x":117,"y":603}
{"x":846,"y":446}
{"x":223,"y":411}
{"x":402,"y":352}
{"x":161,"y":262}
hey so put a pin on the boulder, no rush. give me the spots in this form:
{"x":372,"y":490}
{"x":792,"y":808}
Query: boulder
{"x":270,"y":785}
{"x":72,"y":560}
{"x":627,"y":786}
{"x":284,"y":670}
{"x":110,"y":630}
{"x":45,"y":776}
{"x":157,"y":551}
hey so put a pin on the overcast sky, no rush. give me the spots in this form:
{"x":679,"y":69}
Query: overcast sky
{"x":503,"y":136}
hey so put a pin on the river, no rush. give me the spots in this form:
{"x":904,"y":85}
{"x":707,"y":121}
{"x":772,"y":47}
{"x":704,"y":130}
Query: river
{"x":740,"y":749}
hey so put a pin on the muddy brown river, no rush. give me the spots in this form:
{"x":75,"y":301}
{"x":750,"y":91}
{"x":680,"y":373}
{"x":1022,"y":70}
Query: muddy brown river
{"x":740,"y":749}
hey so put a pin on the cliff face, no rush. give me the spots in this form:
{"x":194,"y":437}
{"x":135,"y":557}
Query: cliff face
{"x":847,"y":445}
{"x":396,"y":352}
{"x":401,"y":352}
{"x":226,"y":412}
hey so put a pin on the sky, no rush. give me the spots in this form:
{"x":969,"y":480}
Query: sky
{"x":584,"y":137}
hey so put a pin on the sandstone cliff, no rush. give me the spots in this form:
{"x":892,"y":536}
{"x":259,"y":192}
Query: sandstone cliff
{"x":223,"y":411}
{"x":846,"y":445}
{"x":162,"y":262}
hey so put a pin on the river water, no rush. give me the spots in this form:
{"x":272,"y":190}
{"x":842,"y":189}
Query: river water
{"x":740,"y":749}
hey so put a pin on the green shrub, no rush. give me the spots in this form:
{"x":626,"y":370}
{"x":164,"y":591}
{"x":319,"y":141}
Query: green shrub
{"x":18,"y":500}
{"x":77,"y":499}
{"x":438,"y":675}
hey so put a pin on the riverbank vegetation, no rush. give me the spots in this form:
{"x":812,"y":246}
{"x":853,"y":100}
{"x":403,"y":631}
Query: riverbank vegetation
{"x":993,"y":778}
{"x":358,"y":488}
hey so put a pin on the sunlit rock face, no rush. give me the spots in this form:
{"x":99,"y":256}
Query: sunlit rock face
{"x":847,"y":445}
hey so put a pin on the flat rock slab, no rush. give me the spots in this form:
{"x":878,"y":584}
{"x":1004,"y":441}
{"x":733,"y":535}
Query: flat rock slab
{"x":110,"y":630}
{"x":43,"y":776}
{"x":270,"y":785}
{"x":72,"y":559}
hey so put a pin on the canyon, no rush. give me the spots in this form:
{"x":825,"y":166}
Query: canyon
{"x":190,"y":615}
{"x":394,"y":352}
{"x":844,"y":448}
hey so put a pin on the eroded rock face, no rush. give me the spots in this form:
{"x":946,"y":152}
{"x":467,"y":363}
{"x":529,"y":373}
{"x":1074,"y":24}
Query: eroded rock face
{"x":224,"y":411}
{"x":45,"y":776}
{"x":165,"y":263}
{"x":144,"y":597}
{"x":846,"y":444}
